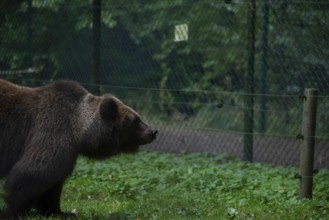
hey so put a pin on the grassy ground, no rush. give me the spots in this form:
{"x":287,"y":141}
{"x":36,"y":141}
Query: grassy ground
{"x":195,"y":186}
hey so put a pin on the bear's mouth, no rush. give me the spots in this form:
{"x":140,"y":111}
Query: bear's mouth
{"x":151,"y":136}
{"x":132,"y":145}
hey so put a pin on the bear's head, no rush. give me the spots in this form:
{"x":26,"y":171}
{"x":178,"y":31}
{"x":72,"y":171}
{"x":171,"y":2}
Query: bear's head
{"x":117,"y":128}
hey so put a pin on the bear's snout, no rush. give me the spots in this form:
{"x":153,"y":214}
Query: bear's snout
{"x":154,"y":133}
{"x":150,"y":135}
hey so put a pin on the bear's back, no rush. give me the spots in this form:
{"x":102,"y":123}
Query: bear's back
{"x":27,"y":112}
{"x":15,"y":123}
{"x":65,"y":88}
{"x":10,"y":93}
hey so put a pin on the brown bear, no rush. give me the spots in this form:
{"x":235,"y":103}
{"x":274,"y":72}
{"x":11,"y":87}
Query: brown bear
{"x":44,"y":129}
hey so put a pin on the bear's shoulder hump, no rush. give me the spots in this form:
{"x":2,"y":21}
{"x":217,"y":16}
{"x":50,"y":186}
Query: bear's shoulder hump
{"x":68,"y":87}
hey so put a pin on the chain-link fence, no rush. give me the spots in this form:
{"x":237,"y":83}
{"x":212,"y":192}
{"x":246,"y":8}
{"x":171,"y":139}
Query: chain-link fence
{"x":194,"y":69}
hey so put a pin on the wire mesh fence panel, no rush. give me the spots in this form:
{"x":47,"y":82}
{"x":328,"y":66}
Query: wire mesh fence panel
{"x":183,"y":65}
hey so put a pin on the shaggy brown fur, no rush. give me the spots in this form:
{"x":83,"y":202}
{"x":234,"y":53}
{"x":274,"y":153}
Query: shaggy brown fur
{"x":44,"y":129}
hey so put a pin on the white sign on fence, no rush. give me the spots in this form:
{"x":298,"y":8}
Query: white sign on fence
{"x":181,"y":32}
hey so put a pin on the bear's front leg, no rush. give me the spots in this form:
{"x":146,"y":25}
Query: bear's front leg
{"x":21,"y":191}
{"x":27,"y":186}
{"x":48,"y":204}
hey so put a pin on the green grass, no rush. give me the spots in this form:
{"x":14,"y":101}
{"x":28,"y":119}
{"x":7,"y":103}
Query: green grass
{"x":195,"y":186}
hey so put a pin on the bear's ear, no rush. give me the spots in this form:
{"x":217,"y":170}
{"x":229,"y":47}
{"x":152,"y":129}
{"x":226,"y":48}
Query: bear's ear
{"x":109,"y":109}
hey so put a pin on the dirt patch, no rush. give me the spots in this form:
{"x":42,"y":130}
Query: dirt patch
{"x":269,"y":150}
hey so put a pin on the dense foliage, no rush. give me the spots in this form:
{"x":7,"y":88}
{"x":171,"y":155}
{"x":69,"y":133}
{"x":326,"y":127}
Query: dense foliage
{"x":190,"y":77}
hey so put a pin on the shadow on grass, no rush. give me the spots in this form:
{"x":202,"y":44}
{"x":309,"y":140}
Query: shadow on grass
{"x":120,"y":216}
{"x":112,"y":216}
{"x":5,"y":215}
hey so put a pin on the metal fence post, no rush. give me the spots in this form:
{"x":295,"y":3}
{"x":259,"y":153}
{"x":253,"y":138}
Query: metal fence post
{"x":96,"y":46}
{"x":29,"y":39}
{"x":249,"y":86}
{"x":307,"y":148}
{"x":264,"y":67}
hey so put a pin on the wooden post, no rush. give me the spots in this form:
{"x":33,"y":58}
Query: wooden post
{"x":307,"y":148}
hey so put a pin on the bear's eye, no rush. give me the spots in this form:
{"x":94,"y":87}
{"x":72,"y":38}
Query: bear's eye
{"x":136,"y":121}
